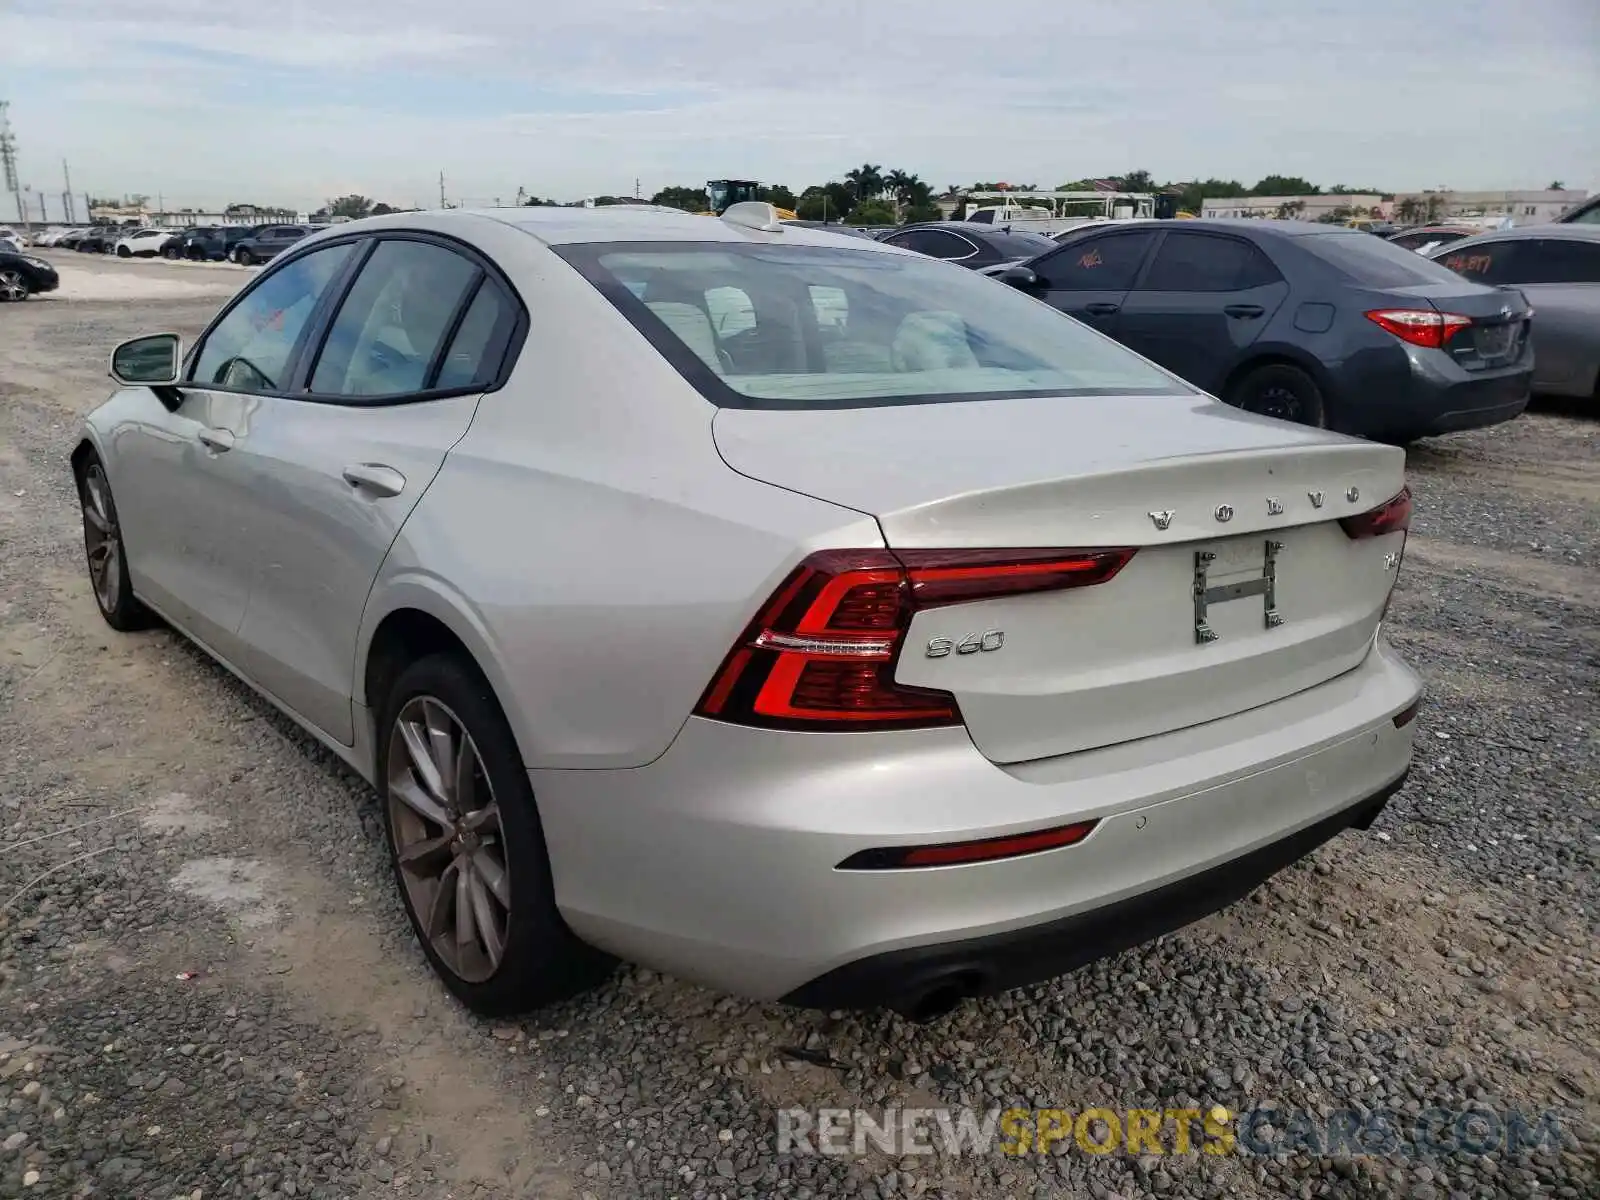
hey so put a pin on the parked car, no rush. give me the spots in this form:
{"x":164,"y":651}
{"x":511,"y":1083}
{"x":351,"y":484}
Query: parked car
{"x":143,"y":243}
{"x":1307,"y":322}
{"x":1587,"y":213}
{"x":266,"y":243}
{"x":968,"y":244}
{"x":23,"y":274}
{"x":766,"y":694}
{"x":1427,"y":237}
{"x":50,"y":236}
{"x":1557,"y":266}
{"x":833,"y":227}
{"x":10,"y":239}
{"x":100,"y":239}
{"x":217,"y":242}
{"x":69,"y":240}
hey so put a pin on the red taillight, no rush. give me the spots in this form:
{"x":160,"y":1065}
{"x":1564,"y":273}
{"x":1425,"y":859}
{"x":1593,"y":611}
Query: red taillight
{"x":1392,"y":515}
{"x":821,"y":654}
{"x":950,"y":854}
{"x":1420,"y":326}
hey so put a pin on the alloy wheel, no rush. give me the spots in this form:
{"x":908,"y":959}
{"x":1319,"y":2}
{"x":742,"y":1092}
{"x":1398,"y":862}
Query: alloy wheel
{"x":100,"y":540}
{"x":1275,"y":400}
{"x":12,"y":285}
{"x":445,"y":825}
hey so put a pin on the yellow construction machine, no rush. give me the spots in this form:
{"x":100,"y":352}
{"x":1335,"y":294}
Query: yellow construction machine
{"x":727,"y":192}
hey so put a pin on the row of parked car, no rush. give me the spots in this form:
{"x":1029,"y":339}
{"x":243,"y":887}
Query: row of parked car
{"x":244,"y":244}
{"x":1395,"y":337}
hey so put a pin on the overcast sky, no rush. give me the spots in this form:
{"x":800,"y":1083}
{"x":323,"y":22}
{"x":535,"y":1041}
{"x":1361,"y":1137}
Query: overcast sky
{"x":209,"y":101}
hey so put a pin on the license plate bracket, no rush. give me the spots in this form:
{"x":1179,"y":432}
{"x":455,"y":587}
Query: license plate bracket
{"x":1206,"y":594}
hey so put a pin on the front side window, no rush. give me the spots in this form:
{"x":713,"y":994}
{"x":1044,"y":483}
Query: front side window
{"x":1189,"y":262}
{"x":251,"y":348}
{"x":839,"y":327}
{"x":390,"y":327}
{"x":1556,"y":260}
{"x":1100,"y":264}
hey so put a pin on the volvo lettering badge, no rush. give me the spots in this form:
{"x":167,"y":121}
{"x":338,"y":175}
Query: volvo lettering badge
{"x":1163,"y":518}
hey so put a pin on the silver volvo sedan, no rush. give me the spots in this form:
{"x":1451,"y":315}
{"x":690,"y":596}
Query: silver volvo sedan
{"x":786,"y":611}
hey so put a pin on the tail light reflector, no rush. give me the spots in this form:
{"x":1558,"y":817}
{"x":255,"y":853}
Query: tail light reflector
{"x":950,"y":854}
{"x":1392,"y":515}
{"x":821,"y":653}
{"x":1420,"y":326}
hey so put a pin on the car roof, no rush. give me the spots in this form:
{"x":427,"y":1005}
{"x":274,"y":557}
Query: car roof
{"x":610,"y":223}
{"x":1547,"y":232}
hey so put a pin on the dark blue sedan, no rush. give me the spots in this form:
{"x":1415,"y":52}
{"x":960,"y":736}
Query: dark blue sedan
{"x":1310,"y":323}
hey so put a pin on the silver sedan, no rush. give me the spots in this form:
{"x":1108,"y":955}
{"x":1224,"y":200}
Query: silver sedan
{"x":786,"y":611}
{"x":1558,"y":268}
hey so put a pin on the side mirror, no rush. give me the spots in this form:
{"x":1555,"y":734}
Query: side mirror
{"x":148,"y":361}
{"x":1020,"y":277}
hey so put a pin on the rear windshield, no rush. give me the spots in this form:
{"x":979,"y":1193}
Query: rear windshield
{"x":766,"y":326}
{"x":1376,"y":262}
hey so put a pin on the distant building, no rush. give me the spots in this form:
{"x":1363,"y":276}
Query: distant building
{"x":1299,"y":208}
{"x":148,"y":216}
{"x":1533,"y":207}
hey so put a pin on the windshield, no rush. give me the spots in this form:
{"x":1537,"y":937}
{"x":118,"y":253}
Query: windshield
{"x":1374,"y":262}
{"x":821,"y":326}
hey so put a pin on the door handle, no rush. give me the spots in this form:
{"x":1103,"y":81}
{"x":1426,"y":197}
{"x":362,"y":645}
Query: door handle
{"x":1102,"y":309}
{"x":376,"y":478}
{"x":217,"y":441}
{"x":1246,"y":311}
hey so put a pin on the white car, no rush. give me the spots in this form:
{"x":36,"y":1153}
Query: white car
{"x":144,"y":243}
{"x":782,"y":610}
{"x":11,"y":240}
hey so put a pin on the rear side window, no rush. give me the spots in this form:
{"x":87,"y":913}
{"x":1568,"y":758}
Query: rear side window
{"x":251,"y":347}
{"x":392,"y":323}
{"x":935,"y":243}
{"x":1485,"y":262}
{"x":473,"y":359}
{"x":1189,"y":262}
{"x":1374,"y":262}
{"x":1099,"y":264}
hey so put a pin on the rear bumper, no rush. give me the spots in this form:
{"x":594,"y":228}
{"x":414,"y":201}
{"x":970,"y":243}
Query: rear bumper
{"x":718,"y":861}
{"x":904,"y":979}
{"x":1430,"y":393}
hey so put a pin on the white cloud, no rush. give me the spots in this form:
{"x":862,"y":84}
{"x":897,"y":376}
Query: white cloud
{"x":212,"y":100}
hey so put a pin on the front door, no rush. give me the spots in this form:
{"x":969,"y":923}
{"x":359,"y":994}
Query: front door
{"x":1204,"y":298}
{"x":1089,"y":277}
{"x":337,"y":468}
{"x":176,"y":468}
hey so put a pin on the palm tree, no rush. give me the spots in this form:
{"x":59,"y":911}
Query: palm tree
{"x":867,"y":180}
{"x":904,"y":187}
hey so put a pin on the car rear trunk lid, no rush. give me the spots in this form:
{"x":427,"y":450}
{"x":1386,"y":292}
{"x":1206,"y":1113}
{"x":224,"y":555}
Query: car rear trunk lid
{"x":1501,"y":320}
{"x":1243,"y":587}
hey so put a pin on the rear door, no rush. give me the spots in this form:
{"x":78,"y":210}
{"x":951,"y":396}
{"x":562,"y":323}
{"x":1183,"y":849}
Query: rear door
{"x":1090,"y":277}
{"x":337,"y":467}
{"x":1204,"y":298}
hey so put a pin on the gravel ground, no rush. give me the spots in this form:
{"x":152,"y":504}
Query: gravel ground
{"x":207,"y":986}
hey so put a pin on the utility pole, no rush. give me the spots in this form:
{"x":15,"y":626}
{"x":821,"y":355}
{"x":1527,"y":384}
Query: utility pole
{"x":442,"y":204}
{"x":636,"y":187}
{"x":66,"y":197}
{"x":8,"y":161}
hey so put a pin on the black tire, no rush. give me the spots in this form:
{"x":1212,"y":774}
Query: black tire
{"x":14,"y":285}
{"x":113,"y":591}
{"x":243,"y":257}
{"x":1279,"y":390}
{"x":124,"y":252}
{"x":542,"y":961}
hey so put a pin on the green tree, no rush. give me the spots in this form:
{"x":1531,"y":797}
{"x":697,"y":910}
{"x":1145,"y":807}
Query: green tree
{"x":778,"y":196}
{"x":925,"y":210}
{"x":866,"y":181}
{"x":1555,"y":185}
{"x":354,"y":206}
{"x":831,"y":201}
{"x":872,"y":212}
{"x":1285,"y":185}
{"x":1408,"y":210}
{"x":1136,"y":181}
{"x":690,"y":199}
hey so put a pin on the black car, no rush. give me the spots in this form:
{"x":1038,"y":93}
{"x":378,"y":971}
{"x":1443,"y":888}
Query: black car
{"x":179,"y":244}
{"x":216,"y":243}
{"x":967,"y":243}
{"x":832,"y":227}
{"x":266,"y":242}
{"x":21,"y":275}
{"x":1311,"y":323}
{"x":101,"y":239}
